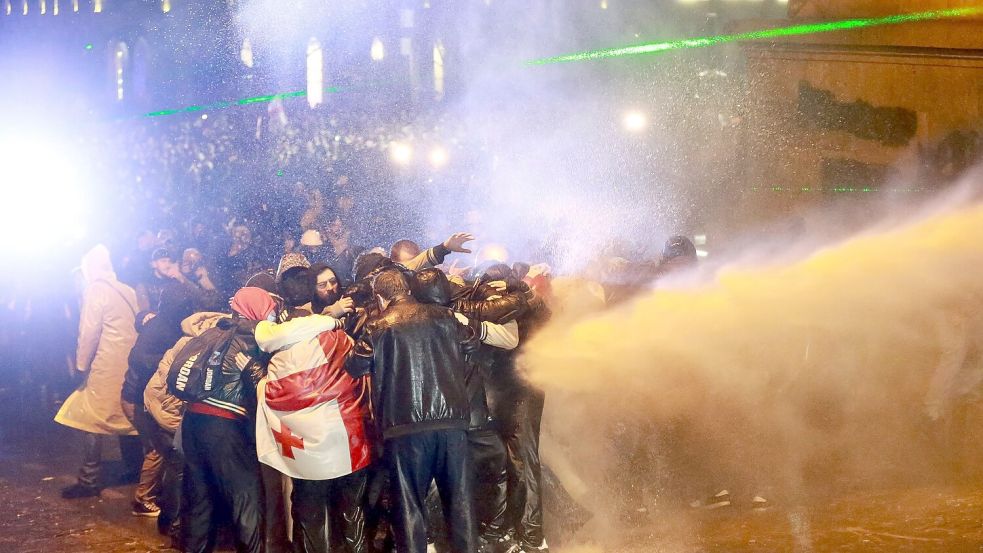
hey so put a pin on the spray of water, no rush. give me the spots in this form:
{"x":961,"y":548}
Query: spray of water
{"x":774,"y":379}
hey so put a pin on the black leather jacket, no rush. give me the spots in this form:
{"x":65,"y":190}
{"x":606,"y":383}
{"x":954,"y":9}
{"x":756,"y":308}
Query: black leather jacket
{"x":235,"y":388}
{"x":415,"y":353}
{"x":472,"y":301}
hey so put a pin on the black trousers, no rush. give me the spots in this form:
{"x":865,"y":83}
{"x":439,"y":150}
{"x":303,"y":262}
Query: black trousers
{"x":414,"y":462}
{"x":520,"y":417}
{"x":490,"y":458}
{"x":329,"y":515}
{"x":221,"y":469}
{"x":90,"y":473}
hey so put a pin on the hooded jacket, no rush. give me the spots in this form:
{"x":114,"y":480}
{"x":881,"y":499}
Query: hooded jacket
{"x":415,"y":353}
{"x":489,"y":312}
{"x":106,"y":335}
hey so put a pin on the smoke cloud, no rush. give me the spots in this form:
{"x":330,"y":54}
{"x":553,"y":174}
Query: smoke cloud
{"x":832,"y":367}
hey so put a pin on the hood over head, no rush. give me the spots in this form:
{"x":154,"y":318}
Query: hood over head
{"x":432,"y":286}
{"x":198,"y":323}
{"x":254,"y":304}
{"x":97,"y":265}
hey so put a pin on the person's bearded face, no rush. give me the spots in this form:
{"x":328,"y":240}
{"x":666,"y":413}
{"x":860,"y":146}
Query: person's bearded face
{"x":327,"y":287}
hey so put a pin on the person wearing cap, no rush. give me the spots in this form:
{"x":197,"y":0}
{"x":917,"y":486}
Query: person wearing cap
{"x":164,"y":271}
{"x":293,"y":282}
{"x":311,"y":244}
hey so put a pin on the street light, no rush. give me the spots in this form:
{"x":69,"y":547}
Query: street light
{"x":401,"y":153}
{"x":635,"y":121}
{"x":438,"y":157}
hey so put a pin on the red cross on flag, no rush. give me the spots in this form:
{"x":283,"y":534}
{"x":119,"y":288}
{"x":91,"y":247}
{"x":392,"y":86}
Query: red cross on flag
{"x":313,"y":418}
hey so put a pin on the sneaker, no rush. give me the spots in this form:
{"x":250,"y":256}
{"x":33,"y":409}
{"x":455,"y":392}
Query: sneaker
{"x":504,"y":544}
{"x":141,"y":509}
{"x":722,"y":499}
{"x":759,"y":503}
{"x":77,"y":491}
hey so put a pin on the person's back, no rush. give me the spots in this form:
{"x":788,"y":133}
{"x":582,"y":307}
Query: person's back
{"x":106,"y":335}
{"x":415,"y":354}
{"x":420,"y":368}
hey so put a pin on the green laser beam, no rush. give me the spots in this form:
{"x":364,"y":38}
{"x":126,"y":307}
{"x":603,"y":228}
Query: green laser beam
{"x":245,"y":101}
{"x":807,"y":29}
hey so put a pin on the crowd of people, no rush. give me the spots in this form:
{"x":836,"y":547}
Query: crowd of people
{"x":378,"y":387}
{"x":264,"y":166}
{"x":266,"y":372}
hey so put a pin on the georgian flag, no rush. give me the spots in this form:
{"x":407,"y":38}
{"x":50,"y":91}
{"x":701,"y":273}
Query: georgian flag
{"x":312,"y":417}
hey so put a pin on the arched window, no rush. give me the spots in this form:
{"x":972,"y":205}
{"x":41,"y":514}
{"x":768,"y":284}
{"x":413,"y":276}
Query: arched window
{"x":246,"y":53}
{"x":378,"y":50}
{"x":315,"y":73}
{"x":120,"y":57}
{"x":438,"y":69}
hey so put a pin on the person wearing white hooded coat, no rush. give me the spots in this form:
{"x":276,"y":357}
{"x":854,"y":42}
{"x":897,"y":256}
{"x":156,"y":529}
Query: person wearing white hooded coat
{"x":106,"y":335}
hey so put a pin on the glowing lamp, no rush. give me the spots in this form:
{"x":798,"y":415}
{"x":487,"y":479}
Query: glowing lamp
{"x":401,"y":153}
{"x":635,"y":121}
{"x":438,"y":157}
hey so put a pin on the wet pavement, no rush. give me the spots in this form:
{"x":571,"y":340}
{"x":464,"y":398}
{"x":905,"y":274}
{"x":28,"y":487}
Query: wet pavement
{"x":930,"y":518}
{"x":34,"y":517}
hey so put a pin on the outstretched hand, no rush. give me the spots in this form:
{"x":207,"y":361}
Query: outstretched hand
{"x":341,"y":307}
{"x":455,"y":270}
{"x":456,"y":241}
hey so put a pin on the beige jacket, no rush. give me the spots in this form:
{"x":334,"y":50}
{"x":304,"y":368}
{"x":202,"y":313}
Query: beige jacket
{"x":166,"y":409}
{"x":106,"y":335}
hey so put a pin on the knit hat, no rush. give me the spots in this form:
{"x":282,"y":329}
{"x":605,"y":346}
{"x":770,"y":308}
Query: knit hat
{"x":311,"y":238}
{"x":291,"y":261}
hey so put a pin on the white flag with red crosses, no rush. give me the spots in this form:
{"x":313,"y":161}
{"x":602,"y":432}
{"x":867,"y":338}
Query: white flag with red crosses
{"x":311,"y":443}
{"x":311,"y":417}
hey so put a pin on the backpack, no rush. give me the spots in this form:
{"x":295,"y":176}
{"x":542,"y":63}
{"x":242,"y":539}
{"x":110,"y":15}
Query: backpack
{"x":193,"y":370}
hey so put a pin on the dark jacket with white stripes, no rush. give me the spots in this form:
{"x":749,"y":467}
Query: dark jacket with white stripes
{"x":235,"y":388}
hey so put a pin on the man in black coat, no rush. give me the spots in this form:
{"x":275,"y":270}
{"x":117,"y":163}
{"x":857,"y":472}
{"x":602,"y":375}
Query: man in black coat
{"x":157,"y":333}
{"x":416,"y":355}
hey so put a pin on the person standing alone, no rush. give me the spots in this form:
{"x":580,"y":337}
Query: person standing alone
{"x":106,"y":335}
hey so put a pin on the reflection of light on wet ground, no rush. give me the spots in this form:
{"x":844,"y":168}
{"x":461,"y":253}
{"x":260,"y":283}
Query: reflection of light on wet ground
{"x":798,"y":521}
{"x":930,"y":519}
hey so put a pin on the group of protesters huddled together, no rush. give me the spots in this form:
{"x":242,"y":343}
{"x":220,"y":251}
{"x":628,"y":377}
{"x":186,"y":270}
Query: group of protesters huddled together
{"x":370,"y":406}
